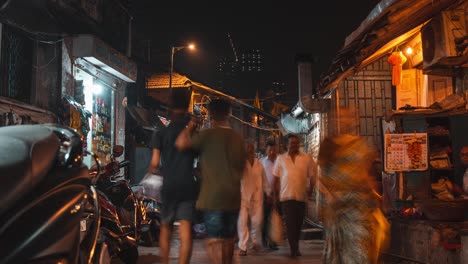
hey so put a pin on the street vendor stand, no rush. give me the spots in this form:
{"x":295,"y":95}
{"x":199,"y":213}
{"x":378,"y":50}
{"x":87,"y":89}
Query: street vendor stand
{"x":420,"y":154}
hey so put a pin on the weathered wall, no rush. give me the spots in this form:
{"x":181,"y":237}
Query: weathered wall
{"x":46,"y":75}
{"x":67,"y":81}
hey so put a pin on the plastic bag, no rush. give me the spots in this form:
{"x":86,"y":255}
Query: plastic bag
{"x":276,"y":227}
{"x":152,"y":184}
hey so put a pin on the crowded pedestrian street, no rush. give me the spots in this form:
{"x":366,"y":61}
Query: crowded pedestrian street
{"x":142,"y":131}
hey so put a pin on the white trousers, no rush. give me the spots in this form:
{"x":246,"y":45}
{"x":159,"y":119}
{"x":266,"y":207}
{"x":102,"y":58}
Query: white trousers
{"x":250,"y":211}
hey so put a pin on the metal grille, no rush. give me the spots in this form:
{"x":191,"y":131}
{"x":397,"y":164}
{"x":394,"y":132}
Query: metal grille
{"x":371,"y":99}
{"x":369,"y":94}
{"x":15,"y":65}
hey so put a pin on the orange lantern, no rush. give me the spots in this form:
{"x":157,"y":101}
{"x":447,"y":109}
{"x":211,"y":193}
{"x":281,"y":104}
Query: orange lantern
{"x":396,"y":59}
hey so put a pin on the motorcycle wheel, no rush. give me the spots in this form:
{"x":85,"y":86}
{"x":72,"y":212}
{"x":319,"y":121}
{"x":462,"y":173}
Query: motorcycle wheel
{"x":102,"y":254}
{"x":150,"y":238}
{"x":130,"y":255}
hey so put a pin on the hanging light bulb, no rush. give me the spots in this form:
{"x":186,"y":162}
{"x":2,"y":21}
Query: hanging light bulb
{"x":409,"y":51}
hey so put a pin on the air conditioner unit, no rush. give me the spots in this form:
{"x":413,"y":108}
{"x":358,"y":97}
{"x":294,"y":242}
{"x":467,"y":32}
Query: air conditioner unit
{"x":443,"y":40}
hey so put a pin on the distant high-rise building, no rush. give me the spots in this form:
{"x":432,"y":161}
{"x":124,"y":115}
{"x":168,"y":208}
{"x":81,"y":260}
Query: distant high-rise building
{"x":244,"y":76}
{"x":227,"y":73}
{"x":251,"y":60}
{"x":278,"y":86}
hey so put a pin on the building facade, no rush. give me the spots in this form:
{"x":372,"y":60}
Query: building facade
{"x":68,"y":64}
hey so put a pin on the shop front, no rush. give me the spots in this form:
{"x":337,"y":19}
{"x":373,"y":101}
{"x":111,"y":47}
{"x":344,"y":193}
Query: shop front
{"x":403,"y":72}
{"x":101,"y":76}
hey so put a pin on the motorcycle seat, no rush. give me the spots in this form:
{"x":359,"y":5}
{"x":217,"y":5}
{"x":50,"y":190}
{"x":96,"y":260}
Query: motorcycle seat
{"x":27,"y":152}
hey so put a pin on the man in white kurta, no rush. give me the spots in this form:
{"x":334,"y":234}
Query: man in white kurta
{"x":252,"y":186}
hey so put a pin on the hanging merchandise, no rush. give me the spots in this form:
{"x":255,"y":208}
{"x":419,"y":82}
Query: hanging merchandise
{"x":73,"y":114}
{"x":101,"y":125}
{"x":397,"y":59}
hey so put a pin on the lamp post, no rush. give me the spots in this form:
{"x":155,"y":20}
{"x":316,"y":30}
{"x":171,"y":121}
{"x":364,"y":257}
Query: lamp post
{"x":173,"y":51}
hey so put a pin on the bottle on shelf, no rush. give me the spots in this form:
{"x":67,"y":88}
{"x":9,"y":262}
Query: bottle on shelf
{"x":102,"y":107}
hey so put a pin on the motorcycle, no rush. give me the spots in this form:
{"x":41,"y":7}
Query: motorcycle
{"x":150,"y":231}
{"x":123,"y":214}
{"x":46,"y":193}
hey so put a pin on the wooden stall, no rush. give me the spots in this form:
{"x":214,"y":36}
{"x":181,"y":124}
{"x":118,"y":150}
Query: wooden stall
{"x":420,"y":152}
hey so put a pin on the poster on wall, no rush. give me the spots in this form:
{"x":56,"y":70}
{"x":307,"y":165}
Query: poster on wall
{"x":406,"y":152}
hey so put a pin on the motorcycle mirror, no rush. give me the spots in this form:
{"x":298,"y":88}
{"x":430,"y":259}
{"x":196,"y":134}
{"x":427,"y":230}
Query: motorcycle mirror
{"x":117,"y":150}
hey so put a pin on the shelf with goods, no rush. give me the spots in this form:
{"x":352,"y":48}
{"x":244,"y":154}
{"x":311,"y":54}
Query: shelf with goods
{"x":448,"y":136}
{"x":446,"y":133}
{"x":101,"y":128}
{"x":440,"y":148}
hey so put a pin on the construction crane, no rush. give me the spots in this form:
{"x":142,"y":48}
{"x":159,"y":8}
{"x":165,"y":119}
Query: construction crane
{"x":232,"y":46}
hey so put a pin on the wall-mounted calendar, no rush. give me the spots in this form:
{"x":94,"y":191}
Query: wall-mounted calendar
{"x":406,"y":152}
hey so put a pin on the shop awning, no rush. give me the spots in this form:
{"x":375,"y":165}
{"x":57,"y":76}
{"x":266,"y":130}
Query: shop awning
{"x":296,"y":125}
{"x":143,"y":117}
{"x":105,"y":57}
{"x":387,"y":23}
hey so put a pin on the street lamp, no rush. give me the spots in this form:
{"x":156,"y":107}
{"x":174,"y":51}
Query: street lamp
{"x":173,"y":51}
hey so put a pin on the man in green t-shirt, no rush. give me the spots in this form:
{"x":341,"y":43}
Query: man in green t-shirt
{"x":222,"y":158}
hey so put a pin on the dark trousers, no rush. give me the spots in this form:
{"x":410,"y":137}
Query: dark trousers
{"x":267,"y":207}
{"x":293,"y":215}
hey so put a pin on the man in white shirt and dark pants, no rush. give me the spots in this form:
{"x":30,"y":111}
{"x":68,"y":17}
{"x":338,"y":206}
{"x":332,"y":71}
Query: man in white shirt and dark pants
{"x":252,"y":185}
{"x":295,"y":173}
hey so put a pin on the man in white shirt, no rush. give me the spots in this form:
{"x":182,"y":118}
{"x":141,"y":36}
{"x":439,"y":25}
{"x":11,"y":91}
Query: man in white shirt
{"x":268,"y":203}
{"x":295,"y":173}
{"x":252,"y":185}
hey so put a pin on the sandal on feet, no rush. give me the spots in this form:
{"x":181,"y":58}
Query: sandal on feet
{"x":242,"y":252}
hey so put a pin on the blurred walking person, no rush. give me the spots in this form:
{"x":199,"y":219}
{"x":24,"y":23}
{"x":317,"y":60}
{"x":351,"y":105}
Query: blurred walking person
{"x":295,"y":174}
{"x":222,"y":157}
{"x":269,"y":203}
{"x":251,"y":210}
{"x":356,"y":229}
{"x":179,"y":189}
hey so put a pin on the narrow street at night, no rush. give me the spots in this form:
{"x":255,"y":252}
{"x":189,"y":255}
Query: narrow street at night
{"x":305,"y":131}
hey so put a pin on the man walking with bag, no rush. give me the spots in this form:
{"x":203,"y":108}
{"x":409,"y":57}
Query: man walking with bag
{"x":179,"y":189}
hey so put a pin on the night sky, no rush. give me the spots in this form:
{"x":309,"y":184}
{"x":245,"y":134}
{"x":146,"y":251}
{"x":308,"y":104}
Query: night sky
{"x":282,"y":30}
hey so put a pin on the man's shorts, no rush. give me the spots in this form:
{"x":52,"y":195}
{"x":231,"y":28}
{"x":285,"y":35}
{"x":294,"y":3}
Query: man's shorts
{"x":172,"y":211}
{"x":220,"y":224}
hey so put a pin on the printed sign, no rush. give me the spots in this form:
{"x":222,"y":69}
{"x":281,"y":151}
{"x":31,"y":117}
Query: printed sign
{"x":406,"y":152}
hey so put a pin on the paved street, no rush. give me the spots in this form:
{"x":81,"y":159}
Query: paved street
{"x":311,"y":253}
{"x":311,"y":247}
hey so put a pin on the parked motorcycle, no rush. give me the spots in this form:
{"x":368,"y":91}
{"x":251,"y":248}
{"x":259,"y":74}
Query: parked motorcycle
{"x":46,"y":193}
{"x":150,"y":231}
{"x":123,"y":214}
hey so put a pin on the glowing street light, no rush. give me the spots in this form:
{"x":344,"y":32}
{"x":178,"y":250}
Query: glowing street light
{"x":173,"y":51}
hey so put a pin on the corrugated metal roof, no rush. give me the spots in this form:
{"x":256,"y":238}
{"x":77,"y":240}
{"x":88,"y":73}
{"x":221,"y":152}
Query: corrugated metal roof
{"x":161,"y":81}
{"x":387,"y":21}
